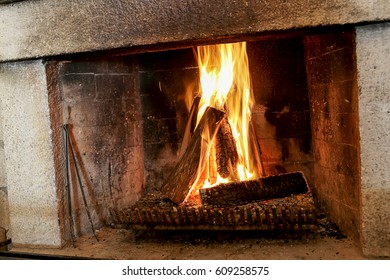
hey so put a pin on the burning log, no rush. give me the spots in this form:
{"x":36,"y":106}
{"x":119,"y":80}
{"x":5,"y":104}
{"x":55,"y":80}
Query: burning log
{"x":236,"y":193}
{"x":226,"y":151}
{"x":191,"y":164}
{"x":256,"y":150}
{"x":190,"y":126}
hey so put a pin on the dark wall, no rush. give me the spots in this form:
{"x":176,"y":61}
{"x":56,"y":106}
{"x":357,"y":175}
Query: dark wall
{"x":332,"y":83}
{"x":281,"y":114}
{"x":165,"y":79}
{"x":101,"y":103}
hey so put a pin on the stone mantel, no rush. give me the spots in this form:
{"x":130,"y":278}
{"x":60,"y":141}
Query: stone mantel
{"x":45,"y":28}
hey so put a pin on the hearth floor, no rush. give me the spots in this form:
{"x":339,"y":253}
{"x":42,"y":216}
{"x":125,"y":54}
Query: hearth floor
{"x":121,"y":244}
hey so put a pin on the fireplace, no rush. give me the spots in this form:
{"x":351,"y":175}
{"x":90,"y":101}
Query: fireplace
{"x":128,"y":115}
{"x":320,"y":107}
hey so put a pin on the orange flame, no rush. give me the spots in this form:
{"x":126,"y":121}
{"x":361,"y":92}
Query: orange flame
{"x":225,"y":85}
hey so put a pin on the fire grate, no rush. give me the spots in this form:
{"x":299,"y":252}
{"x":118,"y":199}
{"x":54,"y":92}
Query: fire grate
{"x":153,"y":211}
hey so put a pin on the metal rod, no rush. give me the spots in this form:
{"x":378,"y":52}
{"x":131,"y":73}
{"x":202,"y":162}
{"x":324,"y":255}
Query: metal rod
{"x":81,"y":184}
{"x":67,"y":187}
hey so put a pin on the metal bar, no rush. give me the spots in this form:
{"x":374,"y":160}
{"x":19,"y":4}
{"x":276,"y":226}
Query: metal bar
{"x":5,"y":242}
{"x":81,"y":184}
{"x":12,"y":255}
{"x":67,"y":187}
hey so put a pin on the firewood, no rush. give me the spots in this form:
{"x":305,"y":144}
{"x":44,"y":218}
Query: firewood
{"x":190,"y":126}
{"x":236,"y":193}
{"x":226,"y":151}
{"x":255,"y":146}
{"x":186,"y":172}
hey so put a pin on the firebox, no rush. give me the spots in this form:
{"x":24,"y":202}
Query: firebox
{"x":94,"y":123}
{"x":128,"y":115}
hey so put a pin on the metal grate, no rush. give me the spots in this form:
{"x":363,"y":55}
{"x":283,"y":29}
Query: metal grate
{"x":290,"y":213}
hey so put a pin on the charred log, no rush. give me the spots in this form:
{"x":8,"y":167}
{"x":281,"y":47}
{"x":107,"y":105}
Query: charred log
{"x":190,"y":126}
{"x":226,"y":151}
{"x":236,"y":193}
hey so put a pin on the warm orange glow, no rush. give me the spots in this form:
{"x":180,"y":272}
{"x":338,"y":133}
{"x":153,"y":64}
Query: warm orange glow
{"x":225,"y":84}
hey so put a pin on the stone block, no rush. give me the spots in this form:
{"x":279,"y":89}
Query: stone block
{"x":342,"y":59}
{"x":115,"y":86}
{"x":376,"y":220}
{"x":340,"y":158}
{"x":176,"y":59}
{"x":159,"y":161}
{"x":375,"y":129}
{"x":2,"y":156}
{"x":78,"y":87}
{"x":263,"y":129}
{"x":83,"y":67}
{"x":326,"y":183}
{"x":350,"y":223}
{"x":4,"y":209}
{"x":32,"y":194}
{"x":320,"y":72}
{"x":113,"y":25}
{"x":372,"y":52}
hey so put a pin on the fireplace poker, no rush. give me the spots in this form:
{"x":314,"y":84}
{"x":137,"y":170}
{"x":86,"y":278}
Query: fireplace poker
{"x":71,"y":225}
{"x":72,"y":152}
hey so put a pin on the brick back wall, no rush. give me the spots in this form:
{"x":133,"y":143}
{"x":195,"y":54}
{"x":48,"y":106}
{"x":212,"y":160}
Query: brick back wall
{"x":100,"y":101}
{"x":281,"y":114}
{"x":165,"y":78}
{"x":127,"y":116}
{"x":331,"y":69}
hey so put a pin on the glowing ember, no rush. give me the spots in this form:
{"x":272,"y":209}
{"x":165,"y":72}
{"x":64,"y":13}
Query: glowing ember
{"x":225,"y":85}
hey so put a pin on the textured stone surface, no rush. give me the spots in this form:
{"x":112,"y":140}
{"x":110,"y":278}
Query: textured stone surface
{"x":28,"y":152}
{"x":46,"y":28}
{"x":373,"y":52}
{"x":4,"y":212}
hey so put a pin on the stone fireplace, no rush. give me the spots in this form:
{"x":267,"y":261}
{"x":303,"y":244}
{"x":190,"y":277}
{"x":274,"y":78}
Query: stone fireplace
{"x":116,"y":71}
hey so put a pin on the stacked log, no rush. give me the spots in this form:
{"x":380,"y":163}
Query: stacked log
{"x":236,"y":193}
{"x":191,"y":164}
{"x":226,"y":151}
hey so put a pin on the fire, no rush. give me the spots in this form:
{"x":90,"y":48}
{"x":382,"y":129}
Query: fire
{"x":225,"y":85}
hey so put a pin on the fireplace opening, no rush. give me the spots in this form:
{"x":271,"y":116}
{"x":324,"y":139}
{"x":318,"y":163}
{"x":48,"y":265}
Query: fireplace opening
{"x":128,"y":115}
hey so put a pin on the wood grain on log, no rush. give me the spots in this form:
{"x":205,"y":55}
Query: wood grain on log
{"x":236,"y":193}
{"x":226,"y":151}
{"x":190,"y":126}
{"x":191,"y":164}
{"x":257,"y":154}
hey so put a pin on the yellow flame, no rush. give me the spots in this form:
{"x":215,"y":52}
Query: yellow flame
{"x":225,"y":84}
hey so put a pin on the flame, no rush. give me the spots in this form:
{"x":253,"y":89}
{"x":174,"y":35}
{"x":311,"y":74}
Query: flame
{"x":225,"y":85}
